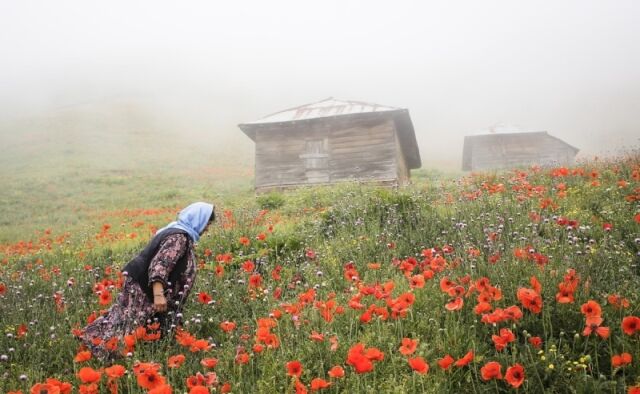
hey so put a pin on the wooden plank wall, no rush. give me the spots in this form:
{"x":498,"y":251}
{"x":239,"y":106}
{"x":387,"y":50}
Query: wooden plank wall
{"x":364,"y":150}
{"x":520,"y":151}
{"x":403,"y":172}
{"x":357,"y":148}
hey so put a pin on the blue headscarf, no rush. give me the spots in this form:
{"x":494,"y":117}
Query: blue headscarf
{"x":193,"y":219}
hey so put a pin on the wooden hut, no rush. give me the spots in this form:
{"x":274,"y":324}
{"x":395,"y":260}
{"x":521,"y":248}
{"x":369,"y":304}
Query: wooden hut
{"x":333,"y":141}
{"x":508,"y":150}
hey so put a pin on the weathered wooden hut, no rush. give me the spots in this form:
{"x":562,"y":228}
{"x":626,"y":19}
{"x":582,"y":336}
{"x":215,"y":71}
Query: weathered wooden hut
{"x":333,"y":141}
{"x":508,"y":150}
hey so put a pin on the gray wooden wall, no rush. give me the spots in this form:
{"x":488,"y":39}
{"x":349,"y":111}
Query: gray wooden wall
{"x":325,"y":151}
{"x":520,"y":151}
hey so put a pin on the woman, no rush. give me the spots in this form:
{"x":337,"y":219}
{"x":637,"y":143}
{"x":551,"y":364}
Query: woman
{"x":157,"y":283}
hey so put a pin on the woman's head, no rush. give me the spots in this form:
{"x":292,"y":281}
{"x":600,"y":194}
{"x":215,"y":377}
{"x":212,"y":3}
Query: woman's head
{"x":194,"y":219}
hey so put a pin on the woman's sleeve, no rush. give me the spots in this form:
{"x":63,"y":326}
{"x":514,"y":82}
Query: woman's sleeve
{"x":169,"y":252}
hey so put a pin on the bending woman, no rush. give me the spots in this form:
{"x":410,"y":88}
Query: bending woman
{"x":158,"y":281}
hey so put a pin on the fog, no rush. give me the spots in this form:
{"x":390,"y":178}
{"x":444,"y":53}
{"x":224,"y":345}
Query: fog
{"x":198,"y":69}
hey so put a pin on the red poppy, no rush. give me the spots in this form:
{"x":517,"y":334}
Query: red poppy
{"x":244,"y":241}
{"x":175,"y":361}
{"x":630,"y":325}
{"x":357,"y":359}
{"x":209,"y":362}
{"x":336,"y":372}
{"x":418,"y":365}
{"x":140,"y":367}
{"x":565,"y":293}
{"x":445,"y":362}
{"x":255,"y":280}
{"x":248,"y":266}
{"x":294,"y":368}
{"x":617,"y":301}
{"x":204,"y":297}
{"x":44,"y":388}
{"x":446,"y":284}
{"x":88,"y":389}
{"x":115,"y":371}
{"x":620,"y":360}
{"x":219,"y":270}
{"x":82,"y":356}
{"x":150,"y":379}
{"x":535,"y":284}
{"x":161,"y":389}
{"x":515,"y":375}
{"x":300,"y":387}
{"x":594,"y":326}
{"x":199,"y":345}
{"x":319,"y":384}
{"x":456,"y":291}
{"x":105,"y":297}
{"x":315,"y":336}
{"x":502,"y":340}
{"x":21,"y":331}
{"x":465,"y":360}
{"x":416,"y":281}
{"x":112,"y":344}
{"x":89,"y":375}
{"x":536,"y":342}
{"x":199,"y":390}
{"x":591,"y":308}
{"x":491,"y":370}
{"x":65,"y":387}
{"x":455,"y":305}
{"x":482,"y":307}
{"x":530,"y":299}
{"x":227,"y":326}
{"x":408,"y":346}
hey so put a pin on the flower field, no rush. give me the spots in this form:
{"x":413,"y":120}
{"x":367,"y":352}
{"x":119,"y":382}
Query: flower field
{"x":520,"y":281}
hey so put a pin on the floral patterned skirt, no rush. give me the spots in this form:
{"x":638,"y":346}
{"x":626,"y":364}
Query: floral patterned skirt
{"x":132,"y":309}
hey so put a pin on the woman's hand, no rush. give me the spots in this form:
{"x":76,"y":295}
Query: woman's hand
{"x":159,"y":303}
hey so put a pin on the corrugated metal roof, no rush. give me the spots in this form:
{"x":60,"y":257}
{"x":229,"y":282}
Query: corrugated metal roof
{"x":322,"y":109}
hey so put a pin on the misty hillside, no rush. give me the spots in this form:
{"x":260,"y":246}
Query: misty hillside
{"x":118,"y":137}
{"x":74,"y":164}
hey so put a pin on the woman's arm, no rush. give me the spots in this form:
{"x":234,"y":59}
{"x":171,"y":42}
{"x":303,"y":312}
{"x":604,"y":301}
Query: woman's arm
{"x":159,"y":300}
{"x":170,"y":251}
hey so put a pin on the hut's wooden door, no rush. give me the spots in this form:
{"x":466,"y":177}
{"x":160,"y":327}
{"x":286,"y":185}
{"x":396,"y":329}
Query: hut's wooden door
{"x":316,"y":158}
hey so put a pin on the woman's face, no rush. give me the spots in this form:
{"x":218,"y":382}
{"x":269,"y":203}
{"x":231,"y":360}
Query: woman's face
{"x":204,"y":230}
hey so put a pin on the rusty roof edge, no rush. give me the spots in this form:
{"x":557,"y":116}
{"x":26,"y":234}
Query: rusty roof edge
{"x":252,"y":125}
{"x":311,"y":107}
{"x":293,"y":108}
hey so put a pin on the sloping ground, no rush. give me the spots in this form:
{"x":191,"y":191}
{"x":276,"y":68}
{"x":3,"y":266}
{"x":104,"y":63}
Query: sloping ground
{"x":58,"y":170}
{"x":523,"y":279}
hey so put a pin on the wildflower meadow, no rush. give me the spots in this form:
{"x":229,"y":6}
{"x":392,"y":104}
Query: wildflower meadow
{"x":516,"y":281}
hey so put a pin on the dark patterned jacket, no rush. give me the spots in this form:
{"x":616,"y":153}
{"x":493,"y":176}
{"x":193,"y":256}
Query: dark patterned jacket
{"x":138,"y":267}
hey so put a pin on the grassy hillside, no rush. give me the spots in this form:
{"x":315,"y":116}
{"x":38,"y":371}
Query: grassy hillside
{"x":523,"y":280}
{"x":63,"y":170}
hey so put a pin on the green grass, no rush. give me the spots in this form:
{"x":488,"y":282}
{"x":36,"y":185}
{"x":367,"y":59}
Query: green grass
{"x":467,"y":220}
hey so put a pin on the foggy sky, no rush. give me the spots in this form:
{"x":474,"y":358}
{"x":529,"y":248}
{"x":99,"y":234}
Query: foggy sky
{"x":571,"y":68}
